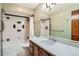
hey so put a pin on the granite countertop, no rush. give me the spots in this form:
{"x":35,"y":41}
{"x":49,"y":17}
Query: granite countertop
{"x":58,"y":49}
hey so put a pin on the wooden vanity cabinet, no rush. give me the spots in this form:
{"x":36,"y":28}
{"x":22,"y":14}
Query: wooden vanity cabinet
{"x":35,"y":50}
{"x":31,"y":48}
{"x":42,"y":52}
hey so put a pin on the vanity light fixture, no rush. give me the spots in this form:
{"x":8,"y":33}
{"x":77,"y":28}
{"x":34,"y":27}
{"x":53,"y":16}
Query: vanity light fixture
{"x":48,"y":6}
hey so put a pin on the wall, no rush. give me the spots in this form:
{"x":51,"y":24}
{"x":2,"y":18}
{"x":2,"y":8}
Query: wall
{"x":62,"y":21}
{"x":0,"y":28}
{"x":31,"y":27}
{"x":17,"y":9}
{"x":27,"y":30}
{"x":59,"y":20}
{"x":38,"y":14}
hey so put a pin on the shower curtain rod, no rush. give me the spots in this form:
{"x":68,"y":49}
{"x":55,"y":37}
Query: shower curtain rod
{"x":12,"y":14}
{"x":15,"y":15}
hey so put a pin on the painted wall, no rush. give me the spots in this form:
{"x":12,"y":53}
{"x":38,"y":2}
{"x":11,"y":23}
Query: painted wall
{"x":0,"y":16}
{"x":17,"y":8}
{"x":38,"y":14}
{"x":61,"y":21}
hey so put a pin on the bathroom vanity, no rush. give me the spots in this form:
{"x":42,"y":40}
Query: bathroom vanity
{"x":36,"y":50}
{"x":43,"y":47}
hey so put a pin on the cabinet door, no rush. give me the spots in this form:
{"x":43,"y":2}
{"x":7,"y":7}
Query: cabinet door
{"x":42,"y":52}
{"x":31,"y":48}
{"x":35,"y":50}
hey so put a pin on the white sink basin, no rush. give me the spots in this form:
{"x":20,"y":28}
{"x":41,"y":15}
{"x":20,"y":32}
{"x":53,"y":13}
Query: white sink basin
{"x":48,"y":42}
{"x":57,"y":48}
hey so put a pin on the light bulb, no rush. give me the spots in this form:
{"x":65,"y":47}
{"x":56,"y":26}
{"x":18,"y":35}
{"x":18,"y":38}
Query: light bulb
{"x":47,"y":9}
{"x":53,"y":5}
{"x":44,"y":6}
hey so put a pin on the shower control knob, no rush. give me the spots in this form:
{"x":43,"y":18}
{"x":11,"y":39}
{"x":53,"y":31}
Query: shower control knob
{"x":8,"y":39}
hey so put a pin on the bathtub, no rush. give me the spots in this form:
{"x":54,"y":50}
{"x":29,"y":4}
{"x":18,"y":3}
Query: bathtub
{"x":11,"y":49}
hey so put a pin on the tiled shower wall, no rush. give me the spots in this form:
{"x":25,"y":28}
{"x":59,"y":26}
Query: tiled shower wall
{"x":38,"y":14}
{"x":14,"y":9}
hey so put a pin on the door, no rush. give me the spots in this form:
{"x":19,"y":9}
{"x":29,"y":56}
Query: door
{"x":75,"y":25}
{"x":13,"y":34}
{"x":45,"y":27}
{"x":75,"y":30}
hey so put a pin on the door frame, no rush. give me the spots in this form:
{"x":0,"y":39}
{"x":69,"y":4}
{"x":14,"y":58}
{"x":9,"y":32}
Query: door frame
{"x":2,"y":13}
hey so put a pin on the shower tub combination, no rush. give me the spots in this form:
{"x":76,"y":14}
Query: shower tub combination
{"x":13,"y":49}
{"x":14,"y":34}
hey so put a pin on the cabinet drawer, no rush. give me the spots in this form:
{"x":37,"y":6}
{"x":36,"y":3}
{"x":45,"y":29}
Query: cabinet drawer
{"x":35,"y":50}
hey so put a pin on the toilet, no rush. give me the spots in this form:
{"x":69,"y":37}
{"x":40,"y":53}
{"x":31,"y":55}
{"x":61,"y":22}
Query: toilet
{"x":26,"y":45}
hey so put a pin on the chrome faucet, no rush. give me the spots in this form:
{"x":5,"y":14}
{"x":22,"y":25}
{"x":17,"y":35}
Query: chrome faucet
{"x":53,"y":40}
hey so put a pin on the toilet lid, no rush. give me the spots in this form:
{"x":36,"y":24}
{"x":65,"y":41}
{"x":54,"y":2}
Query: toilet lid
{"x":26,"y":45}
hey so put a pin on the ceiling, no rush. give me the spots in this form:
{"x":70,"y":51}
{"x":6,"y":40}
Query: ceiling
{"x":28,"y":5}
{"x":57,"y":8}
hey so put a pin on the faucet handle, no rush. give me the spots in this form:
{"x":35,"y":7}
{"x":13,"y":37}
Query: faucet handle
{"x":49,"y":38}
{"x":53,"y":40}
